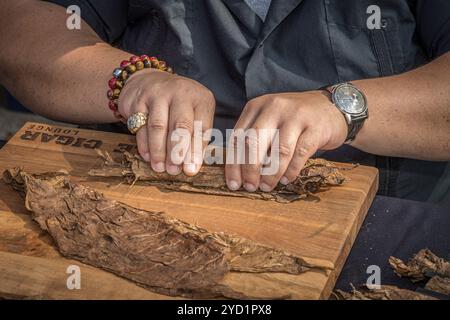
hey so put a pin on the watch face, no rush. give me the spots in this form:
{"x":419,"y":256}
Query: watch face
{"x":349,"y":99}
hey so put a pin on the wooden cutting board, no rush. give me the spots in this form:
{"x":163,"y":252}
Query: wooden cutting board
{"x":30,"y":266}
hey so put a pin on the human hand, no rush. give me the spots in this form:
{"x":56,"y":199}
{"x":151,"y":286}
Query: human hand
{"x":172,"y":102}
{"x":306,"y":122}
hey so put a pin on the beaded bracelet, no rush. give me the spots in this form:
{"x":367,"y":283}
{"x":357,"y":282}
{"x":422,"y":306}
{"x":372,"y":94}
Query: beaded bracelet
{"x":121,"y":75}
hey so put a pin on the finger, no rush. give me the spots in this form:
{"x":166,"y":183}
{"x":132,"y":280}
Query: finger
{"x":181,"y":122}
{"x":281,"y":153}
{"x":248,"y":116}
{"x":133,"y":106}
{"x":142,"y":144}
{"x":257,"y":144}
{"x":157,"y":130}
{"x":307,"y":145}
{"x":203,"y":121}
{"x":233,"y":153}
{"x":236,"y":148}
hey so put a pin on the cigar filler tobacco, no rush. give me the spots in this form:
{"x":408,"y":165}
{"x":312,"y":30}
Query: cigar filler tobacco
{"x":317,"y":175}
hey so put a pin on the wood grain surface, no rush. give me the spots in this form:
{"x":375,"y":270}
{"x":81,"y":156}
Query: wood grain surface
{"x":321,"y":231}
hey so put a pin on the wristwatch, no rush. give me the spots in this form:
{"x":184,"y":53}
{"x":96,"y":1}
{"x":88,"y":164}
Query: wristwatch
{"x":353,"y":104}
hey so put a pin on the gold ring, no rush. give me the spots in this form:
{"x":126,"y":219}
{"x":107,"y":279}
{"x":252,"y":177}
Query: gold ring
{"x":136,"y":121}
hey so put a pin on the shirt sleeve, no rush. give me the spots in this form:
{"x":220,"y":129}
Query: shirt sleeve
{"x":433,"y":26}
{"x":108,"y":18}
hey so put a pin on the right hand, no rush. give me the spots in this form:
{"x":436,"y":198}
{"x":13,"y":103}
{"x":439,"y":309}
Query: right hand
{"x":171,"y":102}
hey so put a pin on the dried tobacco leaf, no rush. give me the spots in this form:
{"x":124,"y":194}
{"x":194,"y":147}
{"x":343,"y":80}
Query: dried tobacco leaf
{"x":317,"y":175}
{"x":152,"y":249}
{"x":384,"y":293}
{"x":439,"y":284}
{"x":424,"y":264}
{"x":413,"y":272}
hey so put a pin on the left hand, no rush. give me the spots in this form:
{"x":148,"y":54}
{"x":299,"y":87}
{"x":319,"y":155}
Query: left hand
{"x":307,"y":122}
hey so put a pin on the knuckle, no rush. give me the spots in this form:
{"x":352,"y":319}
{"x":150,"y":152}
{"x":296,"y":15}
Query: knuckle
{"x":275,"y":99}
{"x":266,"y":100}
{"x":206,"y":105}
{"x":254,"y":103}
{"x":209,"y":96}
{"x":284,"y":150}
{"x":182,"y":88}
{"x":180,"y":82}
{"x":184,"y":124}
{"x":157,"y":125}
{"x":304,"y":149}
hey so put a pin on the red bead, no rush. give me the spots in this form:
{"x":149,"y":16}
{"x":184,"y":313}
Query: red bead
{"x":112,"y":105}
{"x":124,"y":64}
{"x":110,"y":94}
{"x":144,"y":57}
{"x":112,"y":83}
{"x":134,"y":59}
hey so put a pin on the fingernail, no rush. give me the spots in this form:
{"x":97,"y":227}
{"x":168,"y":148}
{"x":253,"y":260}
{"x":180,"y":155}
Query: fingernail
{"x":146,"y":156}
{"x":284,"y":181}
{"x":173,"y":170}
{"x":159,"y":167}
{"x":191,"y":168}
{"x":249,"y":187}
{"x":233,"y":185}
{"x":265,"y":187}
